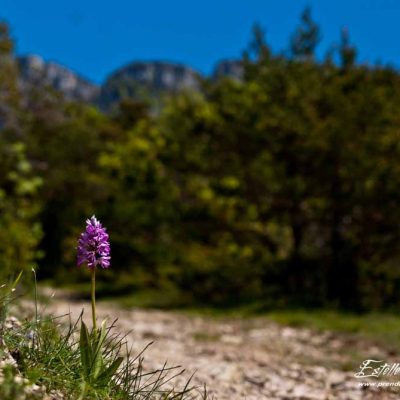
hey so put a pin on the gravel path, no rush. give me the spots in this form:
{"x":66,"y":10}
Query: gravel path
{"x":247,"y":359}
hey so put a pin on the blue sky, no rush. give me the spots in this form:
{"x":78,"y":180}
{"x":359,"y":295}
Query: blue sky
{"x":95,"y":37}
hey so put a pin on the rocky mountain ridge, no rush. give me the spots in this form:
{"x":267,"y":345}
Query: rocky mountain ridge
{"x":137,"y":80}
{"x":34,"y":71}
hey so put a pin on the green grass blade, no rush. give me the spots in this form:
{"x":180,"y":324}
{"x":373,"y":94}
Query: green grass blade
{"x":105,"y":377}
{"x":16,"y":280}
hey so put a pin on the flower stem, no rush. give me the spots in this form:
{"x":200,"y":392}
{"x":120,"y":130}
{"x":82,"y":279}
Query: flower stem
{"x":94,"y":298}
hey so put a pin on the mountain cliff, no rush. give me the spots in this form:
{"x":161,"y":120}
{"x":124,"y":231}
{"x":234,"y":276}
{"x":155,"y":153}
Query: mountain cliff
{"x":34,"y":71}
{"x":146,"y":80}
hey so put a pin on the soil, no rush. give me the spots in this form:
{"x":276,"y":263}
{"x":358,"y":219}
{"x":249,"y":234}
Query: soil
{"x":251,"y":358}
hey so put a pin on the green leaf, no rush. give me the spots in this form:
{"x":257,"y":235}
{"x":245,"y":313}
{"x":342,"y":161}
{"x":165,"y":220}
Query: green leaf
{"x":102,"y":336}
{"x":86,"y":351}
{"x":105,"y":377}
{"x":98,"y":357}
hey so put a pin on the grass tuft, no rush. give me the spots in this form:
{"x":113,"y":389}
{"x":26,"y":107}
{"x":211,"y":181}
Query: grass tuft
{"x":47,"y":354}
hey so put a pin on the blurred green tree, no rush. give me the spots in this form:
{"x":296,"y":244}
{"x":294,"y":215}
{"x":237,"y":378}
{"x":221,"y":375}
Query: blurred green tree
{"x":19,"y":205}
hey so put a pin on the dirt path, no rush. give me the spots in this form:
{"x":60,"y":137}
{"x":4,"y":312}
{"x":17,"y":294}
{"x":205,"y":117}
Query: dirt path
{"x":246,"y":359}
